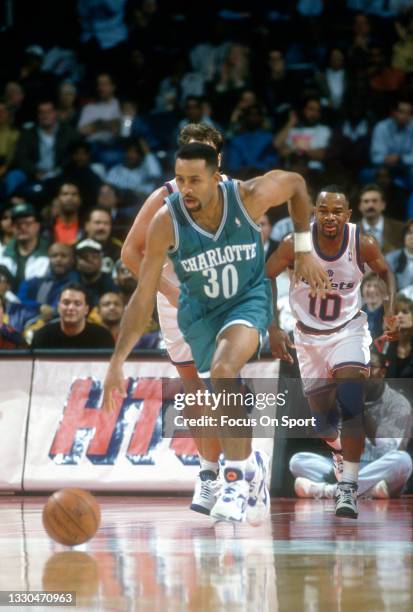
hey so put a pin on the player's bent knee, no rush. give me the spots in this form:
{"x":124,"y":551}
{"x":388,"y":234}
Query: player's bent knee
{"x":221,"y":370}
{"x":405,"y":463}
{"x":295,"y":464}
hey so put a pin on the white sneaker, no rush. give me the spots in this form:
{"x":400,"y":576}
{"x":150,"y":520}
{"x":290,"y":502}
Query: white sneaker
{"x":205,"y":494}
{"x":231,"y":504}
{"x":381,"y":490}
{"x":259,"y":502}
{"x":304,"y":487}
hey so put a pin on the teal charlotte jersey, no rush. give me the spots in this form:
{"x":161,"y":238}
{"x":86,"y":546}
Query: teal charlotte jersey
{"x":222,"y":275}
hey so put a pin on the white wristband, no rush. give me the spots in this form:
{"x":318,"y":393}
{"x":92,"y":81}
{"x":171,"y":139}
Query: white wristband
{"x":302,"y":242}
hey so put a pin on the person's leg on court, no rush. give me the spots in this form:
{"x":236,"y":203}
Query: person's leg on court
{"x":244,"y":471}
{"x":394,"y":467}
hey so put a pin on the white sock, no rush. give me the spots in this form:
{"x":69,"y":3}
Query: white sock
{"x":236,"y":465}
{"x":350,"y":472}
{"x":251,"y":464}
{"x":213,"y":466}
{"x":336,"y":444}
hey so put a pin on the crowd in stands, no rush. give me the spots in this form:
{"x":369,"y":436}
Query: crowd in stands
{"x":91,"y":109}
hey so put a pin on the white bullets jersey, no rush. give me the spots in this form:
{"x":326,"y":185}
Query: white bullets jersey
{"x":168,"y":272}
{"x":345,"y":272}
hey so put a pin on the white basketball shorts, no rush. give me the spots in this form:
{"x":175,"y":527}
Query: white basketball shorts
{"x":319,"y":355}
{"x":178,"y":350}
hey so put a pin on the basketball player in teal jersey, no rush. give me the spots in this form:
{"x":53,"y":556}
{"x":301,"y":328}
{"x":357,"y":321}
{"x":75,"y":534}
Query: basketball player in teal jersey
{"x":209,"y":231}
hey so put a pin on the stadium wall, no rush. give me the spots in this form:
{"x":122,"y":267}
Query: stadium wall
{"x":54,"y":434}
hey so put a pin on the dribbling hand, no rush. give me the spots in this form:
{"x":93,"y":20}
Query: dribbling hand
{"x":114,"y":385}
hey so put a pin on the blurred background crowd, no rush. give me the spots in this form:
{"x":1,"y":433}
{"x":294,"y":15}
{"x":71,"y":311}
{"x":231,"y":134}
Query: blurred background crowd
{"x":92,"y":98}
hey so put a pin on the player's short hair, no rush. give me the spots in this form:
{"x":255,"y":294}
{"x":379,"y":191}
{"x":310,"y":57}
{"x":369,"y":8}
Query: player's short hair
{"x":201,"y":132}
{"x":373,"y":187}
{"x":333,"y":188}
{"x":198,"y":150}
{"x":76,"y":287}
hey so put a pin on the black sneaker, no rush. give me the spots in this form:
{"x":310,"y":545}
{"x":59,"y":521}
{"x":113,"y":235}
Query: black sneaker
{"x":346,"y":500}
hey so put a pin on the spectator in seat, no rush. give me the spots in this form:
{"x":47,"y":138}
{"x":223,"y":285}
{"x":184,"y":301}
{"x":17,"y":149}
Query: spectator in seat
{"x":387,"y":231}
{"x":349,"y":145}
{"x":89,"y":261}
{"x":17,"y":104}
{"x":392,"y":142}
{"x":373,"y":292}
{"x":333,"y":81}
{"x":43,"y":292}
{"x":140,"y":170}
{"x":72,"y":330}
{"x":42,"y":150}
{"x":6,"y":283}
{"x":195,"y":112}
{"x":403,"y":48}
{"x":26,"y":254}
{"x":110,"y":310}
{"x":8,"y":134}
{"x":67,"y":110}
{"x":100,"y":120}
{"x":401,"y":260}
{"x":7,"y":230}
{"x":253,"y":147}
{"x":10,"y":338}
{"x":305,"y":134}
{"x":399,"y":353}
{"x":394,"y":193}
{"x":280,"y":88}
{"x":80,"y":171}
{"x":124,"y":281}
{"x":98,"y":227}
{"x":66,"y":227}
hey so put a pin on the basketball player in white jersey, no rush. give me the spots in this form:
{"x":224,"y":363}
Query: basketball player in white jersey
{"x":179,"y":352}
{"x":331,"y":336}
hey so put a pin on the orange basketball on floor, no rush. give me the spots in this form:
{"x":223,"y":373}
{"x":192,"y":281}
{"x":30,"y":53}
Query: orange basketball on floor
{"x":71,"y":516}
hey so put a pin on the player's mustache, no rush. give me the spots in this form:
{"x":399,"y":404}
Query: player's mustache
{"x":371,"y":209}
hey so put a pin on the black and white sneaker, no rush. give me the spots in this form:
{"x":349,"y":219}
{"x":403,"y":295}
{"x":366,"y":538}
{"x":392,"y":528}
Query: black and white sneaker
{"x":346,"y":500}
{"x":206,"y":491}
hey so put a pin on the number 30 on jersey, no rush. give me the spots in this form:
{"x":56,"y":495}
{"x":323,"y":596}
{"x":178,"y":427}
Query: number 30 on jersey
{"x":227,"y":285}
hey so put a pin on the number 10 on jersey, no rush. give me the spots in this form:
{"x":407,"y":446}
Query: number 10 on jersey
{"x":327,"y":308}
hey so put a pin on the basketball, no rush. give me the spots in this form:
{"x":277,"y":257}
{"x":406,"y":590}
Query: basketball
{"x":71,"y":516}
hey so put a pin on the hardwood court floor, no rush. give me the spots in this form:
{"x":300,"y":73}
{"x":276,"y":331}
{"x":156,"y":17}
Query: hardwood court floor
{"x":154,"y":554}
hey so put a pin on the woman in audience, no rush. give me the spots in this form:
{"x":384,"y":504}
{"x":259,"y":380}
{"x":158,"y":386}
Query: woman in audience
{"x":399,"y":353}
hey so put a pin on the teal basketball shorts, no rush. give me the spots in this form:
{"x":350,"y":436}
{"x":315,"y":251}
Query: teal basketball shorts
{"x":253,"y":310}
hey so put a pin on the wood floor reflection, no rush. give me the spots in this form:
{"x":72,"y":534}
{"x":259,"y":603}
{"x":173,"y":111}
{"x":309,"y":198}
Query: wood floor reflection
{"x":154,"y":554}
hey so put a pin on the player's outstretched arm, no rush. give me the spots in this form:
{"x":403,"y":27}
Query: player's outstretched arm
{"x":279,"y":260}
{"x":273,"y":189}
{"x":371,"y":255}
{"x":134,"y":246}
{"x":140,"y":307}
